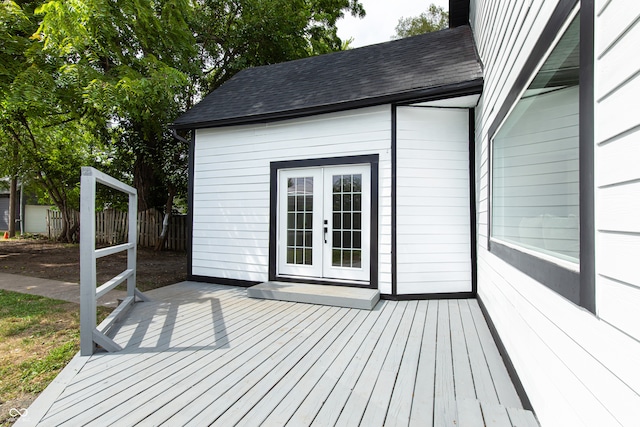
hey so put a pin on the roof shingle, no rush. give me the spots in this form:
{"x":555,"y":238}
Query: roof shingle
{"x":419,"y":67}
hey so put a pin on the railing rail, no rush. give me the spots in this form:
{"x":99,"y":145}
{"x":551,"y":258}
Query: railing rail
{"x":112,"y":226}
{"x":90,"y":335}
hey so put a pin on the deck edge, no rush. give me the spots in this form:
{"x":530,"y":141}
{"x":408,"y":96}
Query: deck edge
{"x":43,"y":403}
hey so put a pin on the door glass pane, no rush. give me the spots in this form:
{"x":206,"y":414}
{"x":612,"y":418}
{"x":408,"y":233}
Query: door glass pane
{"x":357,"y":259}
{"x":347,"y":211}
{"x":299,"y":220}
{"x":357,"y":240}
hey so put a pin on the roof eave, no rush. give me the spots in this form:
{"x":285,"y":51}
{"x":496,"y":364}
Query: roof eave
{"x":470,"y":87}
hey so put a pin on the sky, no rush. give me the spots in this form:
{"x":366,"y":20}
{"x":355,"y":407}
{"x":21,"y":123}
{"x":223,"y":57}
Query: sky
{"x":381,"y":20}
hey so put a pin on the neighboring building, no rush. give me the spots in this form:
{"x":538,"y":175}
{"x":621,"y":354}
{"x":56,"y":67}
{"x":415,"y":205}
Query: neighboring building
{"x":496,"y":160}
{"x":33,"y":215}
{"x":4,"y":211}
{"x":4,"y":205}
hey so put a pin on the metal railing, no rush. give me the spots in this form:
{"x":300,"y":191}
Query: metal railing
{"x":90,"y":334}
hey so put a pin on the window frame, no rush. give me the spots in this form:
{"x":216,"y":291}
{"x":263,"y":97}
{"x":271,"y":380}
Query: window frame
{"x":576,"y":282}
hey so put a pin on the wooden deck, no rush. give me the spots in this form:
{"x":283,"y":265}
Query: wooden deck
{"x":208,"y":354}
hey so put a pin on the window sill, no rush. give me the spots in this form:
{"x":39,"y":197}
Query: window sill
{"x":563,"y":263}
{"x":560,"y":279}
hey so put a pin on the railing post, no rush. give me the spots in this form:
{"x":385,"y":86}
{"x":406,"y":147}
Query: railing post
{"x":133,"y":236}
{"x":87,"y":261}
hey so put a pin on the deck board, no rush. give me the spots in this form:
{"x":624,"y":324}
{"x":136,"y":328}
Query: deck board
{"x":207,"y":354}
{"x":399,"y":410}
{"x":252,"y":388}
{"x":483,"y":382}
{"x":507,"y":395}
{"x":307,"y":411}
{"x":118,"y":376}
{"x":378,"y":405}
{"x":463,"y":379}
{"x":297,"y":383}
{"x":423,"y":401}
{"x":206,"y":385}
{"x":444,"y":408}
{"x":334,"y":404}
{"x":353,"y":409}
{"x":285,"y":375}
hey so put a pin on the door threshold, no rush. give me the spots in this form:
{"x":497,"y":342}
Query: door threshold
{"x":338,"y":296}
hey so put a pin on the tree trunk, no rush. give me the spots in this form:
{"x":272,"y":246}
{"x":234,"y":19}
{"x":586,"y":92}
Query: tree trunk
{"x":70,"y":228}
{"x":13,"y":206}
{"x":143,"y":181}
{"x":165,"y":221}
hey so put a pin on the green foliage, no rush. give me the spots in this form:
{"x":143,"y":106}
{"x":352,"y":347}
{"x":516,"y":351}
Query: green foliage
{"x":15,"y":29}
{"x":96,"y":82}
{"x":249,"y":33}
{"x":44,"y":132}
{"x":434,"y":19}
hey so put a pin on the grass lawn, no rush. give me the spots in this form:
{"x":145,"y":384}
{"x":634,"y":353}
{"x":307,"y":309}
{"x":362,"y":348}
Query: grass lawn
{"x":38,"y":337}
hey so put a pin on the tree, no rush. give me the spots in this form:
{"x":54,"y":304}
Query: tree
{"x":131,"y":61}
{"x":15,"y":27}
{"x":45,"y":130}
{"x":237,"y":34}
{"x":43,"y":118}
{"x":434,"y":19}
{"x":137,"y":65}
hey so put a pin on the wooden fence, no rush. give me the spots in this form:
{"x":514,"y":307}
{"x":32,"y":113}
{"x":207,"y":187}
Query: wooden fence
{"x":54,"y":222}
{"x":111,"y":228}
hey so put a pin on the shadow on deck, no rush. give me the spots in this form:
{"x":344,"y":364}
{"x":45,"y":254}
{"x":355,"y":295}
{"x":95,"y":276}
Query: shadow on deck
{"x":204,"y":354}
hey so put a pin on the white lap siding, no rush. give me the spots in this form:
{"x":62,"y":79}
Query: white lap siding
{"x":433,"y":214}
{"x":231,"y":185}
{"x":577,"y":368}
{"x":617,"y":137}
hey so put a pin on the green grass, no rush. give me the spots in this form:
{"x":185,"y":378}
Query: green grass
{"x":20,"y":312}
{"x":38,"y":337}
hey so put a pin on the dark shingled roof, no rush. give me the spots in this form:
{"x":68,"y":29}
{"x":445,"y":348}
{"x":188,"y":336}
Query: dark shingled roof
{"x":429,"y":66}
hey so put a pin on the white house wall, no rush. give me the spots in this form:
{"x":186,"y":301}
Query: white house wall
{"x":433,"y":213}
{"x":577,"y":368}
{"x":231,"y":185}
{"x":617,"y":137}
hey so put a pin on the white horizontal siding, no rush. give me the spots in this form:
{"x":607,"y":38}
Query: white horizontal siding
{"x":577,"y":368}
{"x":433,"y":231}
{"x":232,"y":184}
{"x":617,"y":156}
{"x":509,"y":41}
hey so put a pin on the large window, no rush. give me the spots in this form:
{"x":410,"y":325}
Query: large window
{"x":535,"y":194}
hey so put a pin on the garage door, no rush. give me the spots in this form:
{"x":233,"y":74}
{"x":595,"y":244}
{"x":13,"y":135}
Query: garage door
{"x":4,"y":212}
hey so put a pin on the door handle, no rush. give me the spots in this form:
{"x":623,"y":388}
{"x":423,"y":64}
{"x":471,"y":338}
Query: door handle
{"x":326,"y":230}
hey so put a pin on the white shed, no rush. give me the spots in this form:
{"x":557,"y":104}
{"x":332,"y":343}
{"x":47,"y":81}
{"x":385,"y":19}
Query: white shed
{"x":350,"y":169}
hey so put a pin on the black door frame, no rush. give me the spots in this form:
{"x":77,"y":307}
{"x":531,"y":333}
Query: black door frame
{"x":372,"y":160}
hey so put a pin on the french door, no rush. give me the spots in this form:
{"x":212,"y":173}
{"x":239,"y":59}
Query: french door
{"x":324,"y":223}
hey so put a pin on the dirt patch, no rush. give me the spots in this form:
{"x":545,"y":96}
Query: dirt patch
{"x":57,"y":261}
{"x":11,"y":410}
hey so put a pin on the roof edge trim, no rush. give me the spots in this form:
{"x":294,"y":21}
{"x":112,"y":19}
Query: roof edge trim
{"x":471,"y":87}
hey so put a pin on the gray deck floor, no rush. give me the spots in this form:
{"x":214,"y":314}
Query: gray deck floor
{"x":208,"y":354}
